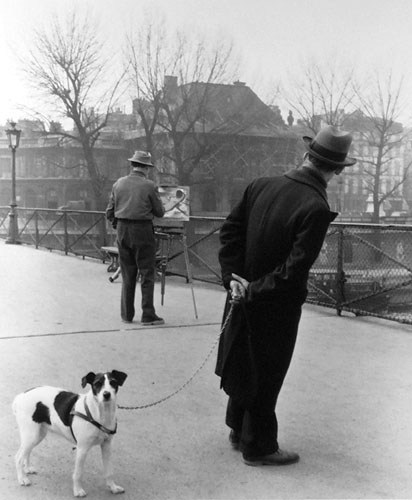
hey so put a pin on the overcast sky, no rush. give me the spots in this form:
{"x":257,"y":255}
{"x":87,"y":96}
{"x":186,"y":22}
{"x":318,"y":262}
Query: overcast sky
{"x":275,"y":37}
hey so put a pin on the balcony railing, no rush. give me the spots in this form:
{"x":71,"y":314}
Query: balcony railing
{"x":362,"y":268}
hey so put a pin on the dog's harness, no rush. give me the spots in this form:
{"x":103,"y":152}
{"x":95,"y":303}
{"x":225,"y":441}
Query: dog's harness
{"x":88,"y":417}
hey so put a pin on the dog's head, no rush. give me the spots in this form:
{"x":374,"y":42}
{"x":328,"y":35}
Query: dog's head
{"x":104,"y":385}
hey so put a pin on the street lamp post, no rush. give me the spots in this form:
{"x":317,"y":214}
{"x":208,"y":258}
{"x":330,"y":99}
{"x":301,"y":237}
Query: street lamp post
{"x":14,"y":138}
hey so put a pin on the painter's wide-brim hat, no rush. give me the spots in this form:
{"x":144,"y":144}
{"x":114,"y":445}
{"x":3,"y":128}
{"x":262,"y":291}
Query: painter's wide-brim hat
{"x":142,"y":158}
{"x":331,"y":146}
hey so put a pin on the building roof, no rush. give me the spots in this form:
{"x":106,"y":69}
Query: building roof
{"x":358,"y":121}
{"x":227,"y":109}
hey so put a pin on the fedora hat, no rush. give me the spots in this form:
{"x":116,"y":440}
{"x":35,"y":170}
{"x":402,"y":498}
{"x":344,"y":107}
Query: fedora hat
{"x":143,"y":158}
{"x":331,"y":146}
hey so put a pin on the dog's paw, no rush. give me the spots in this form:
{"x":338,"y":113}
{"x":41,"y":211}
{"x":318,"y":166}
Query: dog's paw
{"x":115,"y":489}
{"x":24,"y":481}
{"x":79,"y":493}
{"x":30,"y":470}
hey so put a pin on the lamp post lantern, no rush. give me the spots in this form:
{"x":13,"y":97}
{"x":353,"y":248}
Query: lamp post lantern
{"x":14,"y":138}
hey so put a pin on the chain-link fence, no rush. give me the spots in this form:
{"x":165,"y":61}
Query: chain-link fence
{"x":366,"y":269}
{"x":362,"y":268}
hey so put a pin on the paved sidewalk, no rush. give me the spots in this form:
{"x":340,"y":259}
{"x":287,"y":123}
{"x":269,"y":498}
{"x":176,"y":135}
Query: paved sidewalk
{"x":345,"y":407}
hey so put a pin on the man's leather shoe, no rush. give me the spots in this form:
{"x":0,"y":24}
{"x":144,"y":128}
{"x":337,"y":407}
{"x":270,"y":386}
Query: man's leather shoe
{"x":279,"y":457}
{"x":154,"y":320}
{"x":234,"y":439}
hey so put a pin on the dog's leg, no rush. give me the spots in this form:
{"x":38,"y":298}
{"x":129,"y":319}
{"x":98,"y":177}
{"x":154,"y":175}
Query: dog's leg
{"x":81,"y":455}
{"x":107,"y":468}
{"x":30,"y":434}
{"x":28,"y":469}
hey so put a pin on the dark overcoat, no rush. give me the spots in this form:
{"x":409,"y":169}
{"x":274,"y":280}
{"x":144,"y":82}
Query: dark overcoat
{"x":271,"y":238}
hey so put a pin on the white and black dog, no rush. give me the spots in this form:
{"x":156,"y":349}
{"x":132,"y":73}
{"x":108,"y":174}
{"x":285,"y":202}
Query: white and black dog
{"x":85,"y":419}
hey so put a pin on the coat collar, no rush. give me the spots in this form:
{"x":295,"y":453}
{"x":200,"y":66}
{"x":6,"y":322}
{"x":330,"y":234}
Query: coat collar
{"x":310,"y":177}
{"x":138,"y":174}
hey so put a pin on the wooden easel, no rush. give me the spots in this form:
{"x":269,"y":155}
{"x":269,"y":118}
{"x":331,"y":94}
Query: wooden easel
{"x":167,"y":232}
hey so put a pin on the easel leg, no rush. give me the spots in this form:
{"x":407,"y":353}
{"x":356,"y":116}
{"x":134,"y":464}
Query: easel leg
{"x":163,"y":281}
{"x":189,"y":272}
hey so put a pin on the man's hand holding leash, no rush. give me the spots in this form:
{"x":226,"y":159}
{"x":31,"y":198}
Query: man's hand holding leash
{"x":238,"y":287}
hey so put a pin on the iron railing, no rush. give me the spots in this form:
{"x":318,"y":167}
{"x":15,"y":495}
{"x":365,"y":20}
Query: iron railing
{"x":78,"y":232}
{"x":362,"y":268}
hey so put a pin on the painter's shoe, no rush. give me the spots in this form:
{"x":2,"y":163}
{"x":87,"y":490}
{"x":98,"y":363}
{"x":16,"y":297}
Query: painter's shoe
{"x":153,"y":320}
{"x":279,"y":457}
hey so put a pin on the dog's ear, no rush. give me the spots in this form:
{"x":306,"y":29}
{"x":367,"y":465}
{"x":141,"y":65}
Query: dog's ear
{"x":88,"y":379}
{"x":119,"y":376}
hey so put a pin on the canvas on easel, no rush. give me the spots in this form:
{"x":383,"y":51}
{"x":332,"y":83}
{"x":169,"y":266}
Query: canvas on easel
{"x":176,"y":201}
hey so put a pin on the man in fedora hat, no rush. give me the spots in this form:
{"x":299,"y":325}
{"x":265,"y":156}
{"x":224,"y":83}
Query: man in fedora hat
{"x":133,"y":202}
{"x":268,"y":244}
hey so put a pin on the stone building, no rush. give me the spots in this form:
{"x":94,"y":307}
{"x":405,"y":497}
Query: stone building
{"x":358,"y":186}
{"x":51,"y":173}
{"x":235,"y":139}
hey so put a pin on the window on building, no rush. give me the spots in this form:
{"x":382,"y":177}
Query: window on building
{"x":5,"y":168}
{"x":30,"y":199}
{"x":52,"y":199}
{"x":209,"y":200}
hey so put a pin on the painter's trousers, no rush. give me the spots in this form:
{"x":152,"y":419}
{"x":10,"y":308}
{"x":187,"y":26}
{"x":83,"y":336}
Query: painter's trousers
{"x":137,"y":254}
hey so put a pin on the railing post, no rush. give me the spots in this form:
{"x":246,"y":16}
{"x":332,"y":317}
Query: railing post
{"x":103,"y":232}
{"x":66,"y":233}
{"x":340,"y":274}
{"x":36,"y":227}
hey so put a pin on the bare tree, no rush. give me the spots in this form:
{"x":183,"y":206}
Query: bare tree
{"x":67,"y":65}
{"x":321,"y":94}
{"x":380,"y":138}
{"x":147,"y":64}
{"x":330,"y":94}
{"x":173,"y":76}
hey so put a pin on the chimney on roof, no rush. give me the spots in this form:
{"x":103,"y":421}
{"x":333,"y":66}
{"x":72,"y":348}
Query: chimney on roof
{"x":170,"y":87}
{"x":238,"y":83}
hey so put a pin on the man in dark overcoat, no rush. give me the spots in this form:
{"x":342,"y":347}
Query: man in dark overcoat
{"x":269,"y":242}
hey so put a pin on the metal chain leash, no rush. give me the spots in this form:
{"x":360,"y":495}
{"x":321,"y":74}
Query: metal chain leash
{"x":162,"y":400}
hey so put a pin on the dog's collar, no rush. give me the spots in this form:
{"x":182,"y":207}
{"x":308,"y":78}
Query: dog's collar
{"x":88,"y":417}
